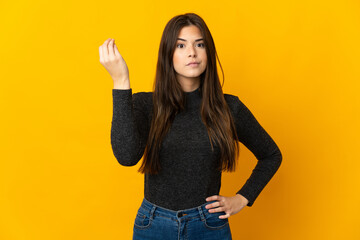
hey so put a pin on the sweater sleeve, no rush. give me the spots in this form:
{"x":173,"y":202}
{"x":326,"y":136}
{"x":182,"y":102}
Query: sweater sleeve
{"x":129,"y":128}
{"x":259,"y":142}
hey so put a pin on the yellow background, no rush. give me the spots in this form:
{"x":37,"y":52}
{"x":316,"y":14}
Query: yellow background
{"x":295,"y":64}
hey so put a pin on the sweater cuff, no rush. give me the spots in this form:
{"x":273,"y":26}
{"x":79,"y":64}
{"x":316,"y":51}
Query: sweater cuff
{"x":121,"y":98}
{"x":247,"y":196}
{"x":122,"y":104}
{"x":121,"y":92}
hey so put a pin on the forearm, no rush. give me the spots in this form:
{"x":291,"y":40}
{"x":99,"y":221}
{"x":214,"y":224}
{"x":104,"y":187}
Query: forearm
{"x":264,"y":170}
{"x":125,"y":137}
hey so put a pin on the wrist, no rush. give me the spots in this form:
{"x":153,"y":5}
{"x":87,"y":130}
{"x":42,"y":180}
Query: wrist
{"x":121,"y":84}
{"x":243,"y":200}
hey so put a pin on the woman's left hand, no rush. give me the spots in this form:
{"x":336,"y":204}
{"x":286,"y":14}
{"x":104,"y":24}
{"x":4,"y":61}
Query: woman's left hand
{"x":229,"y":205}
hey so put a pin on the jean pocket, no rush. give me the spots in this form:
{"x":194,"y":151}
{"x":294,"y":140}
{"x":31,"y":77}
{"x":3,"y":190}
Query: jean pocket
{"x":212,"y":220}
{"x":142,"y":219}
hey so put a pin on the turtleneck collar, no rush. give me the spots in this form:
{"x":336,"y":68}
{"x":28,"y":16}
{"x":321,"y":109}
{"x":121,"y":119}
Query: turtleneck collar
{"x":193,"y":98}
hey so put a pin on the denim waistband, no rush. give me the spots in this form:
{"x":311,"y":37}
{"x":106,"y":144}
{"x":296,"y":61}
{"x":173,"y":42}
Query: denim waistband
{"x":184,"y":213}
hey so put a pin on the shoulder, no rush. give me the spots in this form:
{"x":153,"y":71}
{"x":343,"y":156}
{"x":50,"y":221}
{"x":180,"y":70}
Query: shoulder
{"x":144,"y":99}
{"x":233,"y":102}
{"x":230,"y":98}
{"x":237,"y":107}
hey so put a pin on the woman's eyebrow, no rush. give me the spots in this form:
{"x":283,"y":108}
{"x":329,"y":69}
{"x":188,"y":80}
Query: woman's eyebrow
{"x":185,"y":40}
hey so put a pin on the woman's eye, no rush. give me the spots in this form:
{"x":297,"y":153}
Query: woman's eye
{"x":180,"y":45}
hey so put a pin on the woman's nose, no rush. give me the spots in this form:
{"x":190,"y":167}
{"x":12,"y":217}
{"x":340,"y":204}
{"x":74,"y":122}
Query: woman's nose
{"x":192,"y":52}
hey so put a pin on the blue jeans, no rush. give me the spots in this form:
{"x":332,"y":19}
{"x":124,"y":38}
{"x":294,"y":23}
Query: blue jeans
{"x":153,"y":222}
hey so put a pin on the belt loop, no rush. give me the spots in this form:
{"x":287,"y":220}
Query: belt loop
{"x":201,"y":214}
{"x":152,"y":211}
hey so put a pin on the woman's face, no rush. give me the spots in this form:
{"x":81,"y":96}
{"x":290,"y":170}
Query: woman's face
{"x":190,"y":48}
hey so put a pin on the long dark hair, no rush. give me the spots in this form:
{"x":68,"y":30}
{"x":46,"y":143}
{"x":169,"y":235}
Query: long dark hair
{"x":169,"y":99}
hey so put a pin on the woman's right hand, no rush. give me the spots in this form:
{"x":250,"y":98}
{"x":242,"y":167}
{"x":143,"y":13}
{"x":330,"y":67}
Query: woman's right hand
{"x":114,"y":63}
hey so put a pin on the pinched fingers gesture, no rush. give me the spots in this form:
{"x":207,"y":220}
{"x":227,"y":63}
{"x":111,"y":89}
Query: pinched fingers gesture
{"x":112,"y":60}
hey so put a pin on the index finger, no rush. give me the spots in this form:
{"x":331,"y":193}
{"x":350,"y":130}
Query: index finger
{"x":105,"y":48}
{"x":224,"y":216}
{"x":111,"y":48}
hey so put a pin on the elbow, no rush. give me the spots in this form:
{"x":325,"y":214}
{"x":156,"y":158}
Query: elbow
{"x":127,"y":152}
{"x":126,"y":159}
{"x":278,"y":157}
{"x":126,"y":163}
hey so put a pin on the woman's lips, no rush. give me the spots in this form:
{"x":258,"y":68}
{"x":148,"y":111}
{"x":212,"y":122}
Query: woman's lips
{"x":193,"y":64}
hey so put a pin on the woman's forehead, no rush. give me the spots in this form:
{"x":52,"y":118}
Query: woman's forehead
{"x":189,"y":33}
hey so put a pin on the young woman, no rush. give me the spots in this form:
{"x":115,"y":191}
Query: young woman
{"x":188,"y":131}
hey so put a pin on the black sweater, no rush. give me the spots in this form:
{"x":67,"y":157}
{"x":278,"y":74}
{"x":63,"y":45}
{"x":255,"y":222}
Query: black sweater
{"x":188,"y":175}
